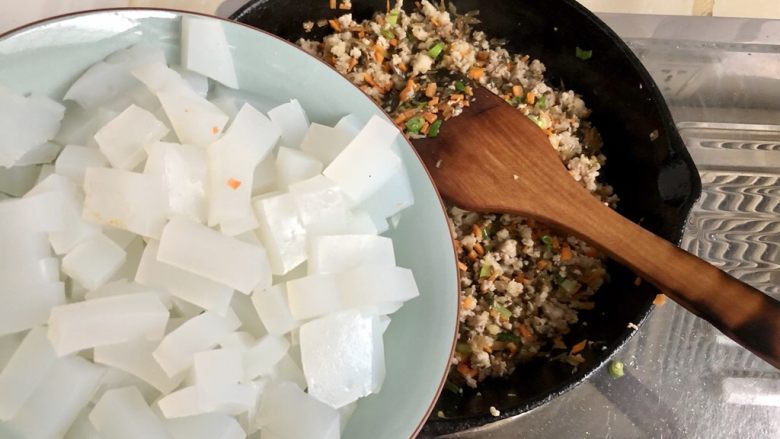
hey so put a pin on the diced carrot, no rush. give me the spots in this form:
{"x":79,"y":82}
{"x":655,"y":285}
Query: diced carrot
{"x":472,"y":255}
{"x":426,"y":126}
{"x":483,"y":55}
{"x":434,"y":101}
{"x":352,"y":64}
{"x":542,"y":264}
{"x":379,"y":53}
{"x":466,"y":371}
{"x":566,"y":253}
{"x":393,"y":42}
{"x":476,"y":73}
{"x":659,"y":300}
{"x":476,"y":231}
{"x":233,"y":183}
{"x":479,"y":249}
{"x":469,"y":302}
{"x":525,"y":58}
{"x":591,"y":252}
{"x":520,"y":278}
{"x":517,"y":90}
{"x":332,"y":4}
{"x":430,"y":89}
{"x":638,"y":281}
{"x":457,"y":97}
{"x":556,"y":243}
{"x":462,"y":266}
{"x":214,"y":130}
{"x":434,"y":22}
{"x":429,"y":117}
{"x":577,"y":348}
{"x":335,"y":24}
{"x":525,"y":333}
{"x":402,"y":67}
{"x":369,"y":80}
{"x":408,"y":90}
{"x":530,"y":98}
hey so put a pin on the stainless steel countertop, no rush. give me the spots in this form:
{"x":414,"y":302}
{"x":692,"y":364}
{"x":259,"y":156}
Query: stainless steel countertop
{"x":721,"y":79}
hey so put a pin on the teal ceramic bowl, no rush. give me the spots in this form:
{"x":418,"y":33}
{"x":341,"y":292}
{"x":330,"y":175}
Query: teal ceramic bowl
{"x":48,"y":56}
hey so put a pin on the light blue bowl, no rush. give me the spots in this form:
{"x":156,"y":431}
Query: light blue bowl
{"x":48,"y":56}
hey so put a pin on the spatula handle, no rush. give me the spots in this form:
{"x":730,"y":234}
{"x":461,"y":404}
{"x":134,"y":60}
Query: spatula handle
{"x":738,"y":310}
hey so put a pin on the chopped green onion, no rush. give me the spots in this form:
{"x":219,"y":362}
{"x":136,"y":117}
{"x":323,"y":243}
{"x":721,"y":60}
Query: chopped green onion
{"x":460,"y":86}
{"x":435,"y":51}
{"x":616,"y":369}
{"x":392,"y":17}
{"x":547,"y":240}
{"x":507,"y":337}
{"x":463,"y":348}
{"x":516,"y":101}
{"x":570,"y":286}
{"x":541,"y":102}
{"x":415,"y":124}
{"x":485,"y":234}
{"x":433,"y":131}
{"x":453,"y":388}
{"x":503,"y":311}
{"x":583,"y":54}
{"x":388,"y":34}
{"x":537,"y":121}
{"x":485,"y":271}
{"x":421,"y":104}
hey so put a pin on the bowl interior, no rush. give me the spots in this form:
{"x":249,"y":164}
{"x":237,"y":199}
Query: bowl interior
{"x":647,"y":163}
{"x":48,"y":56}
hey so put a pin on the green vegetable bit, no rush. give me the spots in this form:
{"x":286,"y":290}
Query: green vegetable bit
{"x":449,"y":385}
{"x":463,"y":348}
{"x":504,"y":311}
{"x":489,"y":247}
{"x":485,"y":234}
{"x":517,"y":101}
{"x":537,"y":121}
{"x":387,"y":34}
{"x":415,"y":124}
{"x":485,"y":271}
{"x":436,"y":50}
{"x":433,"y":131}
{"x":507,"y":337}
{"x":583,"y":54}
{"x":570,"y":286}
{"x":460,"y":86}
{"x":616,"y":369}
{"x":541,"y":102}
{"x":547,"y":240}
{"x":392,"y":17}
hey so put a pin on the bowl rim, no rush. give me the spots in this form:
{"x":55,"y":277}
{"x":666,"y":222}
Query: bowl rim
{"x":97,"y":11}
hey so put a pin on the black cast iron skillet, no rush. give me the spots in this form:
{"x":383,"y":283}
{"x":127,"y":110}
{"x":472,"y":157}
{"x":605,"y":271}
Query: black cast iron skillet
{"x":652,"y":173}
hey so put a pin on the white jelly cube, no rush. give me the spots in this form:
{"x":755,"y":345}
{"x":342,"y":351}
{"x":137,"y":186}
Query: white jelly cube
{"x":123,"y":414}
{"x":274,"y":311}
{"x":324,"y":142}
{"x":205,"y":426}
{"x":343,"y":357}
{"x":264,"y":178}
{"x":26,"y":369}
{"x":93,"y":262}
{"x":320,"y":294}
{"x":123,"y":139}
{"x":292,"y":120}
{"x":184,"y":170}
{"x":125,"y":200}
{"x":105,"y":321}
{"x":232,"y":163}
{"x":321,"y":205}
{"x":26,"y":122}
{"x":349,"y":124}
{"x":28,"y":305}
{"x":196,"y":121}
{"x":261,"y":358}
{"x":281,"y":231}
{"x":111,"y":78}
{"x":288,"y":369}
{"x":240,"y":341}
{"x":175,"y":352}
{"x":293,"y":165}
{"x":368,"y":162}
{"x":187,"y":286}
{"x":44,"y":153}
{"x":275,"y":416}
{"x":210,"y":254}
{"x":58,"y":399}
{"x":181,"y":403}
{"x":334,"y":254}
{"x":135,"y":357}
{"x":250,"y":321}
{"x":16,"y":181}
{"x":204,"y":49}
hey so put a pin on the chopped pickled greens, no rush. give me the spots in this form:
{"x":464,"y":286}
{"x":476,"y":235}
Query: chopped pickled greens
{"x":433,"y":131}
{"x":583,"y":54}
{"x":508,"y":337}
{"x":415,"y":124}
{"x":503,"y":311}
{"x":485,"y":271}
{"x":392,"y":17}
{"x":436,"y":50}
{"x":616,"y":369}
{"x":460,"y":86}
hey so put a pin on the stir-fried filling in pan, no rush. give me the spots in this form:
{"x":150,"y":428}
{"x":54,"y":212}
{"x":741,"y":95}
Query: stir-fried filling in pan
{"x":522,"y":283}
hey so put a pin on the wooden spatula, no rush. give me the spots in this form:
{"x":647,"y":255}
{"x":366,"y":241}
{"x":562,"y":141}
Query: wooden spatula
{"x":498,"y":160}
